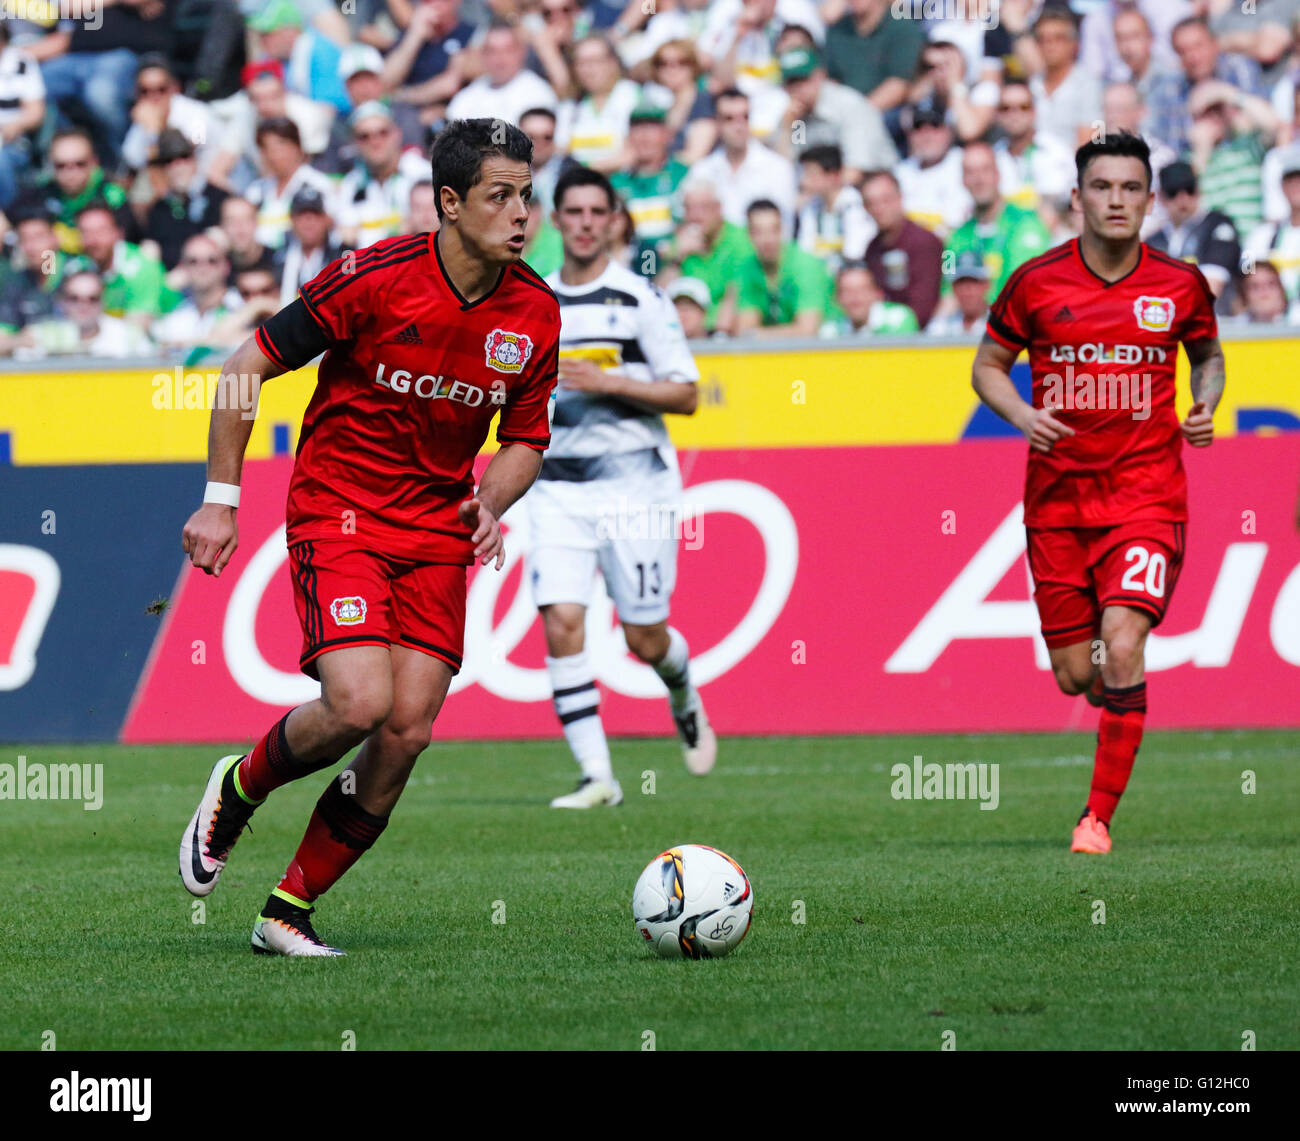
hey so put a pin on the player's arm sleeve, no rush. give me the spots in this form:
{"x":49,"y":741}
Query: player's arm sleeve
{"x":525,"y":418}
{"x":1008,"y":319}
{"x":664,"y":343}
{"x":1201,"y":323}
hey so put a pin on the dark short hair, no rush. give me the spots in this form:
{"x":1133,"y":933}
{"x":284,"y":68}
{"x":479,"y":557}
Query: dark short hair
{"x":538,"y":111}
{"x":759,"y":205}
{"x":461,"y":146}
{"x":152,"y":61}
{"x":282,"y":128}
{"x":1122,"y":143}
{"x":1057,"y":13}
{"x":583,"y":176}
{"x":73,"y":133}
{"x":730,"y":93}
{"x":29,"y":208}
{"x":97,"y":205}
{"x":881,"y":172}
{"x":1190,"y":22}
{"x":827,"y":156}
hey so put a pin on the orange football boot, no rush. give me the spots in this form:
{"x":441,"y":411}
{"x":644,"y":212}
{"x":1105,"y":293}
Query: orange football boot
{"x":1091,"y":835}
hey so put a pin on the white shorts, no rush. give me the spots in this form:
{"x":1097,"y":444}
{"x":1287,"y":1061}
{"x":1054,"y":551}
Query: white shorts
{"x":625,"y":529}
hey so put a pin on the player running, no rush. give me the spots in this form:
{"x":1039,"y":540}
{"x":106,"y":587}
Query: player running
{"x":609,"y":491}
{"x":1105,"y":494}
{"x":425,"y":340}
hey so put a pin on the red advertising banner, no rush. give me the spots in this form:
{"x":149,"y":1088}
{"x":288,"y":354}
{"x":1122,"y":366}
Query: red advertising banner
{"x":836,"y":590}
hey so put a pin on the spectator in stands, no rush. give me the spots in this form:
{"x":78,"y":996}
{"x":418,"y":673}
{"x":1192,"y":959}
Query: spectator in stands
{"x":832,"y":115}
{"x":970,"y":290}
{"x":1003,"y":235}
{"x":863,"y":310}
{"x":743,"y":169}
{"x":649,"y":186}
{"x":263,"y":99}
{"x":709,"y":247}
{"x":1278,"y":159}
{"x":308,"y":247}
{"x":832,"y":222}
{"x":1287,"y":88}
{"x":281,"y":156}
{"x":930,"y":177}
{"x":506,"y":89}
{"x":422,"y":209}
{"x":239,"y":225}
{"x":83,"y":327}
{"x":29,"y":291}
{"x":592,"y":127}
{"x":1206,"y":237}
{"x":22,"y":111}
{"x":78,"y":180}
{"x":538,"y":123}
{"x":430,"y":62}
{"x":1279,"y":242}
{"x":208,"y":298}
{"x":781,"y":290}
{"x":1067,"y":97}
{"x":1032,"y":164}
{"x":551,"y":42}
{"x":941,"y":75}
{"x":374,"y":195}
{"x":188,"y":206}
{"x":738,"y":50}
{"x":1112,"y":25}
{"x":160,"y":106}
{"x":89,"y":66}
{"x":1265,"y":301}
{"x":1199,"y":59}
{"x":1230,"y":133}
{"x":679,"y":22}
{"x":310,"y":57}
{"x":1134,"y":47}
{"x":361,"y":68}
{"x":675,"y":67}
{"x":873,"y":53}
{"x":904,"y":257}
{"x":132,"y":279}
{"x":259,"y":298}
{"x":1257,"y":29}
{"x":691,"y":298}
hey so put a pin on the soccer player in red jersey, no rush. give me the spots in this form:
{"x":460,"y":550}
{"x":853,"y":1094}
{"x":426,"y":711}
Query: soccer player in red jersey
{"x":426,"y":339}
{"x":1102,"y":317}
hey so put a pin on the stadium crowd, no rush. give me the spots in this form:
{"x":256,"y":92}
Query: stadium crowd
{"x":173,"y":171}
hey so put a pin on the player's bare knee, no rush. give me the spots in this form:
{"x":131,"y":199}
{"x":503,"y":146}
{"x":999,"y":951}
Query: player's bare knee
{"x":565,"y":629}
{"x":647,"y":643}
{"x":409,"y":737}
{"x":1071,"y":680}
{"x":359,"y":712}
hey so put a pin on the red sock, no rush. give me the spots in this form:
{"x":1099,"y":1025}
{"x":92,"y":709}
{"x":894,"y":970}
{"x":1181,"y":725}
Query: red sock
{"x":339,"y":832}
{"x":272,"y":763}
{"x":1119,"y":735}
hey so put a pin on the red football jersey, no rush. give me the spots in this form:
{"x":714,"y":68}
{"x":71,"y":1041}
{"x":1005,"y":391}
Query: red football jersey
{"x":406,"y":393}
{"x":1105,"y":354}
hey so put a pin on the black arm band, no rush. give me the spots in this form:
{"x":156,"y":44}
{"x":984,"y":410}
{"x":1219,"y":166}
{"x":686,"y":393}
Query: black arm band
{"x":295,"y":336}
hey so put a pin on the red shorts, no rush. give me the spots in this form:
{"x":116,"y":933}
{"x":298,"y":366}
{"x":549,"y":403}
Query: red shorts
{"x":1079,"y":571}
{"x":347,"y":595}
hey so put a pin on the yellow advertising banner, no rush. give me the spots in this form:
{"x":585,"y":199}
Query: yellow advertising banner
{"x":777,"y":399}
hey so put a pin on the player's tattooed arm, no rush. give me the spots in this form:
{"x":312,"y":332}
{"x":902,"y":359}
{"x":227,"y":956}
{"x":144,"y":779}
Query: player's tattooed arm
{"x":1208,"y":375}
{"x":211,"y":534}
{"x":991,"y":379}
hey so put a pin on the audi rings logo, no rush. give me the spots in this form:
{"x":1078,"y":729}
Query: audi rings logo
{"x":488,"y":647}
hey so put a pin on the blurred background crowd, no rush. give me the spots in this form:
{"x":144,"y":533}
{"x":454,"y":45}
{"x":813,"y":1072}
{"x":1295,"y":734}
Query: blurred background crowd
{"x":172,"y":171}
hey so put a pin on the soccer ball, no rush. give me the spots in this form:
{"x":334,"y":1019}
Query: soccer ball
{"x":693,"y":902}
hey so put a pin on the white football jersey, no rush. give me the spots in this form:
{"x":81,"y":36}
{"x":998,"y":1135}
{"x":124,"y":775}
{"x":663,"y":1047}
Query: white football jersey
{"x":623,"y":323}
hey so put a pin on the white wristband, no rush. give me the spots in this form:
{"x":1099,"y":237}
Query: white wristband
{"x":226,"y":493}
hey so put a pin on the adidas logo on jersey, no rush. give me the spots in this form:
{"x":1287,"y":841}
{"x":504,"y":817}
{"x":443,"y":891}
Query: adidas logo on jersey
{"x":1064,"y":314}
{"x":408,"y":336}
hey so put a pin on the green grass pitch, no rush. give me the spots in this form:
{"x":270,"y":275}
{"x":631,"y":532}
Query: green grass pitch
{"x":921,"y":917}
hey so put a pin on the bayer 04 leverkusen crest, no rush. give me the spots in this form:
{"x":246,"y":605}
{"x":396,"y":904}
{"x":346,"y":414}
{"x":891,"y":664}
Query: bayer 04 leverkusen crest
{"x":507,"y":351}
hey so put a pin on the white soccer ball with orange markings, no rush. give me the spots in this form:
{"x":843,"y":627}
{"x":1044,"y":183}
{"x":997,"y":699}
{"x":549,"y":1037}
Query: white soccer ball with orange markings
{"x":693,"y":902}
